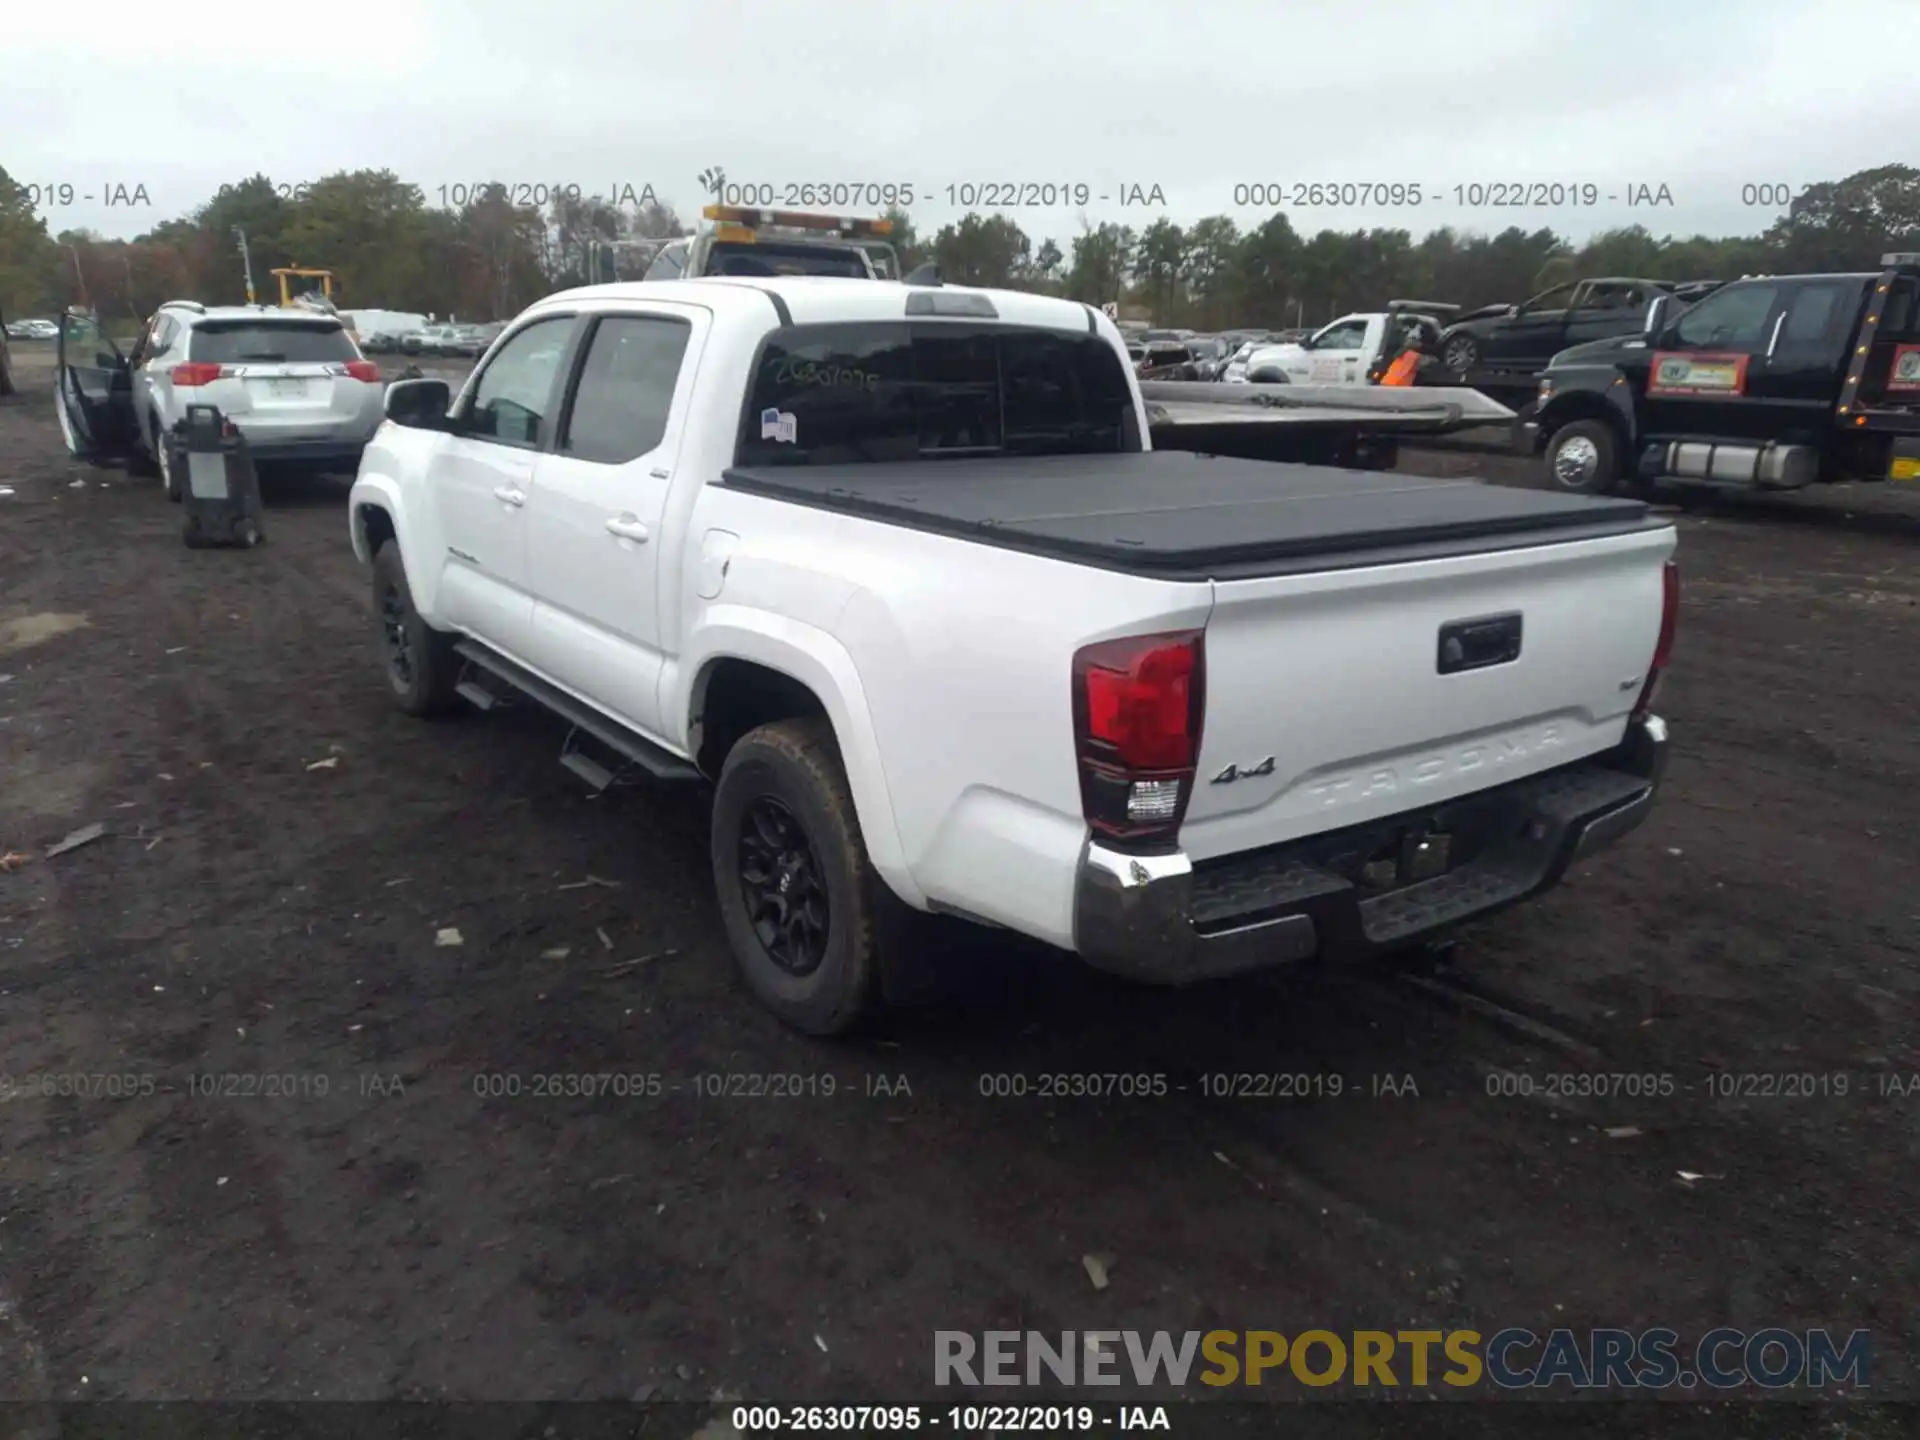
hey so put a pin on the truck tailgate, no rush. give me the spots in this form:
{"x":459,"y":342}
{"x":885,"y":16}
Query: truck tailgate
{"x":1345,"y":678}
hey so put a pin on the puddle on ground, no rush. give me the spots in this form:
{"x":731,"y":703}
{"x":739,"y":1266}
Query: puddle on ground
{"x":32,"y":630}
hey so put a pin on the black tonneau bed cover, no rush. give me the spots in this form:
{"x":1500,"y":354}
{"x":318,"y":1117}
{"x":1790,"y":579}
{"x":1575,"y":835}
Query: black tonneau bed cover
{"x":1183,"y":516}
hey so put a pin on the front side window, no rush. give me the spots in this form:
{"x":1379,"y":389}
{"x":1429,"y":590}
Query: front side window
{"x":670,"y":263}
{"x":899,"y":390}
{"x":626,"y":387}
{"x":1735,"y":316}
{"x":1557,"y":298}
{"x":1611,"y":297}
{"x":514,"y":392}
{"x":1346,"y":336}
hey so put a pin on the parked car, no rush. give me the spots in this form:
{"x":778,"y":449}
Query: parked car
{"x":1167,"y":360}
{"x":428,"y":340}
{"x":1771,"y":383}
{"x":1525,"y":337}
{"x":1210,"y":354}
{"x":1235,"y":370}
{"x":1184,"y":773}
{"x":32,"y":330}
{"x":293,"y":383}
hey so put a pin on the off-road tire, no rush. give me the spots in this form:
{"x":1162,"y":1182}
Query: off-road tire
{"x":426,"y":687}
{"x":797,"y":764}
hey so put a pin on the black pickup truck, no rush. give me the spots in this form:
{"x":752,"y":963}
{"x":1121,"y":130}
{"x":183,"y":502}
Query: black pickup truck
{"x":1772,"y":382}
{"x":1524,"y":337}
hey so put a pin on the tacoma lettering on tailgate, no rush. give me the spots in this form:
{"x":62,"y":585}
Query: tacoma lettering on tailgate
{"x":1410,"y":774}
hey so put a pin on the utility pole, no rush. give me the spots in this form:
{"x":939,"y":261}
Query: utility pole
{"x":80,"y":278}
{"x":246,"y":262}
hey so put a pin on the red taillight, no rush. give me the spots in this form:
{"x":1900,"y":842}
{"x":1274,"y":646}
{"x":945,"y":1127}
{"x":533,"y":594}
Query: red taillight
{"x":1663,"y":647}
{"x":195,"y":373}
{"x":1137,"y":708}
{"x":364,"y":370}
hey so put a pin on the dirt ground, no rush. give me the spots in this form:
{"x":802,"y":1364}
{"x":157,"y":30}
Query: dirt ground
{"x":282,"y":849}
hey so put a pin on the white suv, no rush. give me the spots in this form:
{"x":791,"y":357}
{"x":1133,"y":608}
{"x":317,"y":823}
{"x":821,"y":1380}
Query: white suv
{"x":294,"y":383}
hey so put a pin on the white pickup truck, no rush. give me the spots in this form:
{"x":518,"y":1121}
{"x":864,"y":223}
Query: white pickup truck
{"x":896,"y":568}
{"x":1349,"y":351}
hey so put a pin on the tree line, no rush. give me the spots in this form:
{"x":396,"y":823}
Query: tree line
{"x":487,"y":259}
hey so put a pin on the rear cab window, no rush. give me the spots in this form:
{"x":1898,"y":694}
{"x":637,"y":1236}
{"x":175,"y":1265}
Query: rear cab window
{"x":270,"y":342}
{"x":773,"y":258}
{"x":895,"y":391}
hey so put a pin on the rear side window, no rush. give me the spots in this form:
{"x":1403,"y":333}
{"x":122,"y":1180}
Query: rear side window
{"x":897,"y":390}
{"x":626,"y":388}
{"x":1812,"y":312}
{"x":239,"y":342}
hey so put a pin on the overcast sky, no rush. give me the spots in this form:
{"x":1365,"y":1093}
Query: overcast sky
{"x":1193,"y":96}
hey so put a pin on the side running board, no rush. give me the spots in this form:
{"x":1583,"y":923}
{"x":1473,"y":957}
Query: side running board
{"x":587,"y":724}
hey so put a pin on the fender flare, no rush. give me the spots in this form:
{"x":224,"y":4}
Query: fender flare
{"x":1610,"y":401}
{"x":819,"y":661}
{"x":382,"y":493}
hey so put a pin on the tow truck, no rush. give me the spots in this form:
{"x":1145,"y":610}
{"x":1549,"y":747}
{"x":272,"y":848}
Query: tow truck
{"x":736,"y":240}
{"x":1771,"y":382}
{"x":1353,"y":350}
{"x":1310,"y":424}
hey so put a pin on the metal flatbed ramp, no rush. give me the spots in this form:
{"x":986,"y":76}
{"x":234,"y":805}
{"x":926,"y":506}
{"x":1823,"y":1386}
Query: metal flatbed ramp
{"x":1176,"y":405}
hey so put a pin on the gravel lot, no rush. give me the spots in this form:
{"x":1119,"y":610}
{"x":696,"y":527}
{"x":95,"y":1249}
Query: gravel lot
{"x":282,"y":848}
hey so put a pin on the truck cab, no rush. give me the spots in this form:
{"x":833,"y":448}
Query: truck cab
{"x":734,"y":240}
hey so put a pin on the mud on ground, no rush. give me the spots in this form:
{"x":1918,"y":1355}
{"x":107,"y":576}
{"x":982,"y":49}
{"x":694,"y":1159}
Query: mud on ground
{"x":282,"y":849}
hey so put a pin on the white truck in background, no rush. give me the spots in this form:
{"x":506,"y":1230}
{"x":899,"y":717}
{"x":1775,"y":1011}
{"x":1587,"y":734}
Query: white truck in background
{"x":1352,"y":350}
{"x":897,"y":569}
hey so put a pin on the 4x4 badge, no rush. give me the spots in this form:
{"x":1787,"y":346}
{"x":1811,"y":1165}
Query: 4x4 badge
{"x":1234,"y":772}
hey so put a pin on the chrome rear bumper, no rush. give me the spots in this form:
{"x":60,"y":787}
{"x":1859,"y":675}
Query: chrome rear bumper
{"x":1158,"y":918}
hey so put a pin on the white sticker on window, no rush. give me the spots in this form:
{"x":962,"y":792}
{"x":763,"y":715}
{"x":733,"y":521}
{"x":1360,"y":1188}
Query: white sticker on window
{"x":780,"y":426}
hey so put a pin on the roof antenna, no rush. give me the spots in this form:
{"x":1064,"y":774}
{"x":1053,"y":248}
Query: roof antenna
{"x":924,"y":274}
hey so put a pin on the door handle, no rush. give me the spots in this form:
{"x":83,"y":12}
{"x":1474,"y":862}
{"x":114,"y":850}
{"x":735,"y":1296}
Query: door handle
{"x":627,"y":527}
{"x":510,"y":495}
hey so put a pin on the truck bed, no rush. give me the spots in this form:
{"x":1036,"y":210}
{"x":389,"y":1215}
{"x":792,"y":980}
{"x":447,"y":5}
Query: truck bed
{"x":1175,"y":515}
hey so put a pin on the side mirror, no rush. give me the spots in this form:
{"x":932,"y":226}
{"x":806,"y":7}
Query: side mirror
{"x":419,"y":404}
{"x":1657,"y":310}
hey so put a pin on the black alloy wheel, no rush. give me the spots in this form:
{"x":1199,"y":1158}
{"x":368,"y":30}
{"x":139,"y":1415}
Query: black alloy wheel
{"x":783,"y":887}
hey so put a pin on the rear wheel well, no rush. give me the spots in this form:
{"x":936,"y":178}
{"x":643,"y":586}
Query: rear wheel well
{"x":377,"y":526}
{"x":739,"y":696}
